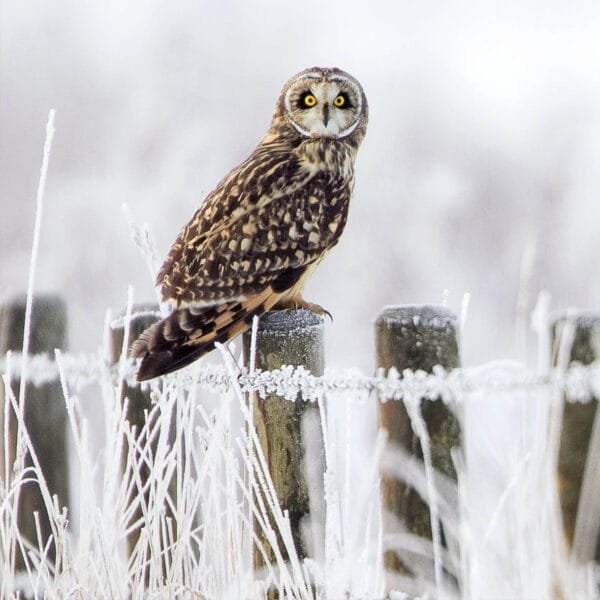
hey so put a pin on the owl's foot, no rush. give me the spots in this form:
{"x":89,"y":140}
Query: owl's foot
{"x":299,"y":302}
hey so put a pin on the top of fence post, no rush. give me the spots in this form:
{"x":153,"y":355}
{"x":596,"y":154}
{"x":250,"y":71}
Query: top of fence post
{"x":293,"y":337}
{"x":414,"y":336}
{"x":48,"y":324}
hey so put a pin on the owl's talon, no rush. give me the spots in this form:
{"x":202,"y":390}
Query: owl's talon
{"x":300,"y":303}
{"x":316,"y":308}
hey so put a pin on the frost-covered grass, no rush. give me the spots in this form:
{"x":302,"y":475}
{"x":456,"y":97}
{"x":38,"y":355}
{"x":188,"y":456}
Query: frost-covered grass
{"x":195,"y":532}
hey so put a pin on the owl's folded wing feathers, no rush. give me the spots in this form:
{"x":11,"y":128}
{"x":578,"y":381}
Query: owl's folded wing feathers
{"x":241,"y":241}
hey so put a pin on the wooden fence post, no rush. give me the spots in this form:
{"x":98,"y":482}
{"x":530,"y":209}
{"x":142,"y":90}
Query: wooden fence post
{"x":45,"y":413}
{"x":578,"y":422}
{"x":416,"y":337}
{"x":288,"y":337}
{"x":142,"y":316}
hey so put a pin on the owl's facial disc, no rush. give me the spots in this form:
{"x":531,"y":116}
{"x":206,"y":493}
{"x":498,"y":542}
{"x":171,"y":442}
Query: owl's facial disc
{"x":327,"y":107}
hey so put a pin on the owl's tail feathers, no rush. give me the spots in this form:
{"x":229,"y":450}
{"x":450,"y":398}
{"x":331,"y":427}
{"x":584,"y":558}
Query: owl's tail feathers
{"x":191,"y":332}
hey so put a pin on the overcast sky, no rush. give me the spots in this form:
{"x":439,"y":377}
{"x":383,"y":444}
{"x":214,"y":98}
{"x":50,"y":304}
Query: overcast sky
{"x":480,"y":171}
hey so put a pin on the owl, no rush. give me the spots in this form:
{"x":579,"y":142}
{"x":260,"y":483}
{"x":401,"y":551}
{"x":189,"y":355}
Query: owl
{"x":259,"y":235}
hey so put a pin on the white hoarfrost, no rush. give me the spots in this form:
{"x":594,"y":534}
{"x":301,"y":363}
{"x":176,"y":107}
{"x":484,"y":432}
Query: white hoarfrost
{"x":199,"y":501}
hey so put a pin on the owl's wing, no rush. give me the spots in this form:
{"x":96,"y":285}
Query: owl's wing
{"x":264,"y":223}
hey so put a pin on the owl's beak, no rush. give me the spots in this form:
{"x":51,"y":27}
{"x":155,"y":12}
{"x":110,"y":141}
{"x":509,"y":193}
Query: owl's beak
{"x":326,"y":115}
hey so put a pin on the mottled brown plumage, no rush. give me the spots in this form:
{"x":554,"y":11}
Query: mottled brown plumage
{"x":265,"y":227}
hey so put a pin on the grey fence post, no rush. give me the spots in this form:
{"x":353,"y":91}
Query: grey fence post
{"x":418,"y":338}
{"x":44,"y":412}
{"x":578,"y":423}
{"x":289,"y":337}
{"x":142,"y":316}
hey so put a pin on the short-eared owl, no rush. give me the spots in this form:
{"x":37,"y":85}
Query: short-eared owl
{"x":258,"y":236}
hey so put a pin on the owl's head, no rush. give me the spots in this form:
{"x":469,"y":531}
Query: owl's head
{"x":323,"y":103}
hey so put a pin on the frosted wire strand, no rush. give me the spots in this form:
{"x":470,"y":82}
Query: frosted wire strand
{"x":580,"y":382}
{"x":34,"y":249}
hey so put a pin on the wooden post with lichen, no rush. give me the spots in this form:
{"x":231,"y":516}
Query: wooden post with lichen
{"x":415,"y":337}
{"x":287,"y":337}
{"x":45,"y":414}
{"x":139,"y":401}
{"x":576,"y":453}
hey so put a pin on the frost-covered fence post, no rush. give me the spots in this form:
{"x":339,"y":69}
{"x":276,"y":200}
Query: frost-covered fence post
{"x":139,"y":402}
{"x":295,"y":338}
{"x":45,"y":415}
{"x":415,"y":337}
{"x":578,"y":477}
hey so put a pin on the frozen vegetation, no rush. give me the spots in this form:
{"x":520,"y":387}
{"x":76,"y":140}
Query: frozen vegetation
{"x":196,"y":535}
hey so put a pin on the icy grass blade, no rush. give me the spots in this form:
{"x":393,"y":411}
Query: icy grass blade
{"x":587,"y":524}
{"x":34,"y":250}
{"x":20,"y":457}
{"x":140,"y":234}
{"x":413,"y":407}
{"x":353,"y":536}
{"x":464,"y":311}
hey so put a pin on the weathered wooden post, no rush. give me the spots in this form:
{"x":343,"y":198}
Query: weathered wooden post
{"x":416,"y":337}
{"x":142,"y":316}
{"x":289,"y":337}
{"x":577,"y":452}
{"x":45,"y":413}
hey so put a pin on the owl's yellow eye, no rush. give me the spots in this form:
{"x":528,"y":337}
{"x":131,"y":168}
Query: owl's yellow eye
{"x":309,"y":101}
{"x":340,"y":101}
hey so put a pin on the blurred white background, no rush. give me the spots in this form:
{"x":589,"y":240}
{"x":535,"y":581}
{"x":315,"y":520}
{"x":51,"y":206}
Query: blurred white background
{"x":478,"y":173}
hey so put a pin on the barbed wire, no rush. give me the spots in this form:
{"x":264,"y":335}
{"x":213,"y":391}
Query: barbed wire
{"x":579,"y":383}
